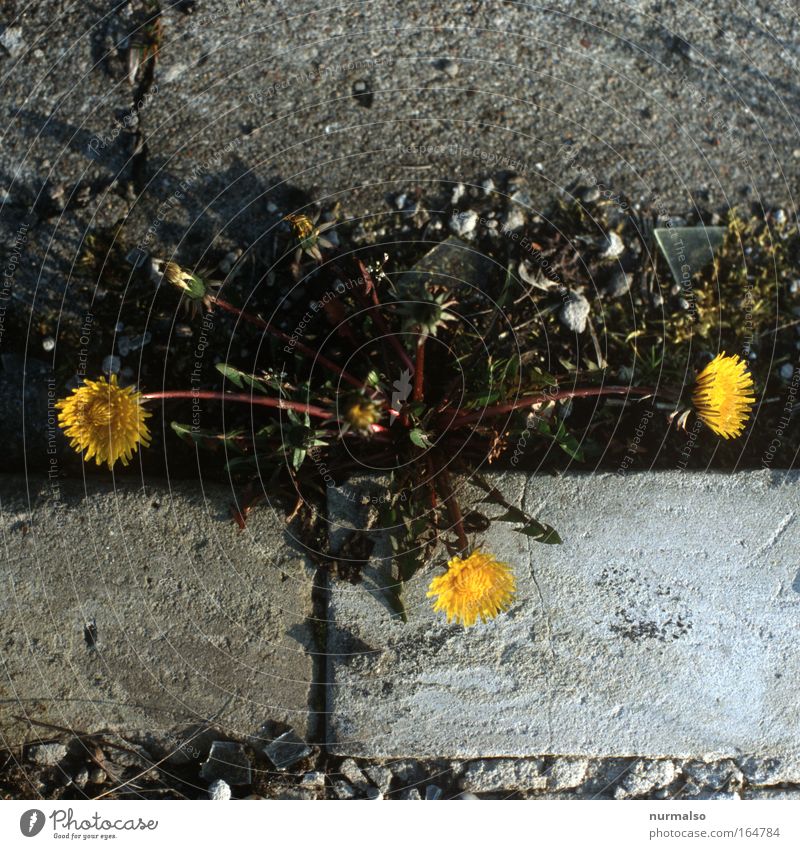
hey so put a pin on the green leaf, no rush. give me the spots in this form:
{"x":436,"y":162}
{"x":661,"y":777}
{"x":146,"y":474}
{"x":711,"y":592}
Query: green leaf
{"x":183,"y":431}
{"x":539,"y":377}
{"x":419,"y":438}
{"x":231,"y":373}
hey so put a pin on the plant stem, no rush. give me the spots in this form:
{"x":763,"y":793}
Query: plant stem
{"x":239,"y":397}
{"x":379,"y":320}
{"x":529,"y":401}
{"x":419,"y":370}
{"x":443,"y":479}
{"x":284,"y":337}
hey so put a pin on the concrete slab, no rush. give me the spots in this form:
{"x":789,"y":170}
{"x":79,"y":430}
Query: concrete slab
{"x":664,"y":626}
{"x":191,"y":616}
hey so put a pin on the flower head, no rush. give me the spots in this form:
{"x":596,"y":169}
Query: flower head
{"x":309,"y":235}
{"x":479,"y":586}
{"x":104,"y":420}
{"x":199,"y":293}
{"x":361,"y":415}
{"x":722,"y":395}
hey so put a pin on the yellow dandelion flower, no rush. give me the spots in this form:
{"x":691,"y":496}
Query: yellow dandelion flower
{"x":479,"y":586}
{"x":104,"y":420}
{"x":302,"y":225}
{"x":178,"y":277}
{"x":362,"y":415}
{"x":722,"y":395}
{"x":309,"y":235}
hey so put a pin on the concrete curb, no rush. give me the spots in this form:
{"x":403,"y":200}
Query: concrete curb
{"x":664,"y":626}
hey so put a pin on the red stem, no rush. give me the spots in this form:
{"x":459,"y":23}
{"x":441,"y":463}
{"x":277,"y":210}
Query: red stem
{"x":419,"y":371}
{"x":284,"y":337}
{"x":591,"y":392}
{"x":379,"y":320}
{"x":241,"y":397}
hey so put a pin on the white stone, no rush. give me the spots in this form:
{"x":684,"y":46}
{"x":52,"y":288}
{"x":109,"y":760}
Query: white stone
{"x":491,"y":776}
{"x":219,"y":790}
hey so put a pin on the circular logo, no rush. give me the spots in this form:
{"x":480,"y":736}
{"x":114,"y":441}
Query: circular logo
{"x":31,"y":822}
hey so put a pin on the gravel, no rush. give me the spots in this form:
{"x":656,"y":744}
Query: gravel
{"x":574,"y":312}
{"x":219,"y":790}
{"x":619,"y":283}
{"x":613,"y":247}
{"x":464,"y":224}
{"x":47,"y":754}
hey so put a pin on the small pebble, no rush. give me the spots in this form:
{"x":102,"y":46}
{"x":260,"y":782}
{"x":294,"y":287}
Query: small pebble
{"x":450,"y":67}
{"x":613,"y":247}
{"x":575,"y":312}
{"x":97,"y":776}
{"x":459,"y":190}
{"x":464,"y":223}
{"x":111,"y":364}
{"x":286,"y":750}
{"x":342,"y":790}
{"x":515,"y":218}
{"x":619,"y":283}
{"x":12,"y":39}
{"x":48,"y":343}
{"x":432,"y":793}
{"x":590,"y":194}
{"x":47,"y":754}
{"x":219,"y":790}
{"x":81,"y":778}
{"x":786,"y":371}
{"x":313,"y":779}
{"x":380,"y":776}
{"x":411,"y":794}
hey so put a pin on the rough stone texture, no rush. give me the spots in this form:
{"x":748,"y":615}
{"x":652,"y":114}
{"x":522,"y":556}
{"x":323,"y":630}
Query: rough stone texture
{"x":193,"y":617}
{"x":359,"y":100}
{"x":664,"y":626}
